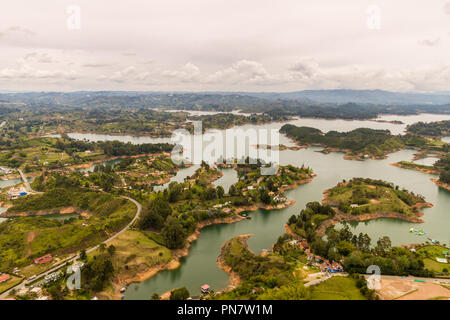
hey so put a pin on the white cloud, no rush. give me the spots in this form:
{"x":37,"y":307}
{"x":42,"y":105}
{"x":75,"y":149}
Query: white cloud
{"x":430,"y":42}
{"x":17,"y":30}
{"x":188,"y":72}
{"x":96,"y":65}
{"x":128,"y":75}
{"x":39,"y":57}
{"x":28,"y":72}
{"x":226,"y":45}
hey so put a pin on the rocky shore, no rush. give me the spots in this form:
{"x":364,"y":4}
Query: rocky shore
{"x":119,"y":281}
{"x":348,"y":153}
{"x":235,"y":280}
{"x":441,"y":184}
{"x":417,"y":168}
{"x":342,"y":217}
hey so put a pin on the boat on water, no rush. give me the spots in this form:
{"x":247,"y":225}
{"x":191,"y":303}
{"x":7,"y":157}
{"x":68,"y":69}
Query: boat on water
{"x":420,"y":232}
{"x":417,"y":232}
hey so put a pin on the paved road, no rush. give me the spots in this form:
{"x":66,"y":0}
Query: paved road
{"x":73,"y":258}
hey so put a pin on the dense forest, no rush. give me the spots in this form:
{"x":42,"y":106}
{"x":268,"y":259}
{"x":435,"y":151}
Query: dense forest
{"x":433,"y":129}
{"x":443,"y":165}
{"x":358,"y":141}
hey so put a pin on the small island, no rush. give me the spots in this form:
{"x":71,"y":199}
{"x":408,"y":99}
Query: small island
{"x":415,"y":166}
{"x":362,"y":199}
{"x":358,"y":144}
{"x":430,"y":129}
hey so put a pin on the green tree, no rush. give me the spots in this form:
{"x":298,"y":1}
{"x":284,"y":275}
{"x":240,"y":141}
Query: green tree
{"x":102,"y":248}
{"x":111,"y":250}
{"x":265,"y":198}
{"x":173,"y":233}
{"x":83,"y":255}
{"x":383,"y":245}
{"x":155,"y":296}
{"x":345,"y":248}
{"x":220,"y":192}
{"x":179,"y":294}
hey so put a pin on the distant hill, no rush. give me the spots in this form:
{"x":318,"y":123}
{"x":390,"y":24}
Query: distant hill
{"x":225,"y":100}
{"x":359,"y":96}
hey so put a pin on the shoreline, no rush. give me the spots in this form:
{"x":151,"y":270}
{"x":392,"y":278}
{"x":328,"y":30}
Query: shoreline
{"x":119,"y":134}
{"x":177,"y":254}
{"x":440,"y":184}
{"x":348,"y":153}
{"x":428,"y":171}
{"x":342,"y":217}
{"x":233,"y":277}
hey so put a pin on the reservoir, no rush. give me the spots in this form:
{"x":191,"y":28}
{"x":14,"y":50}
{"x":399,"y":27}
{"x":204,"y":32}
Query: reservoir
{"x":200,"y":267}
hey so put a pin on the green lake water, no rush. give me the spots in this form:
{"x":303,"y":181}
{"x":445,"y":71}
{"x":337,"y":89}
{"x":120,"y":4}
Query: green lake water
{"x":200,"y":267}
{"x":5,"y":184}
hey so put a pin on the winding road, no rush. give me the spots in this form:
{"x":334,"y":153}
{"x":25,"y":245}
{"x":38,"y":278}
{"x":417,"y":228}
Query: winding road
{"x":71,"y":259}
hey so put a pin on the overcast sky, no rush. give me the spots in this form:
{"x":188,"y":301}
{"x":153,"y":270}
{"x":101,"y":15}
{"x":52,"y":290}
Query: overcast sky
{"x":229,"y":45}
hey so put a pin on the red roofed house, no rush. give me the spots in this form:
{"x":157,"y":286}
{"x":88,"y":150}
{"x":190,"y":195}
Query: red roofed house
{"x":4,"y":277}
{"x":205,"y":288}
{"x":44,"y":259}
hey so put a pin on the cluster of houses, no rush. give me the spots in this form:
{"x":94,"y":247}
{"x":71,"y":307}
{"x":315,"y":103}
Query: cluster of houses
{"x":223,"y":206}
{"x":15,"y":193}
{"x":35,"y":291}
{"x":277,"y":197}
{"x":317,"y":261}
{"x":52,"y":277}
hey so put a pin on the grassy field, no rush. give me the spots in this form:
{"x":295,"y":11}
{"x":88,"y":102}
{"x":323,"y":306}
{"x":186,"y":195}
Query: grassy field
{"x":27,"y":238}
{"x":10,"y":283}
{"x":135,"y":253}
{"x":372,"y":198}
{"x":433,"y":265}
{"x":430,"y":253}
{"x":337,"y":288}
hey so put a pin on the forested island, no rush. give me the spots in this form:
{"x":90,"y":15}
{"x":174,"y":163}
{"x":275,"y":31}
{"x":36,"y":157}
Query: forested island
{"x":229,"y":120}
{"x":361,"y":143}
{"x":443,"y":167}
{"x":362,"y":199}
{"x":430,"y":129}
{"x":358,"y":144}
